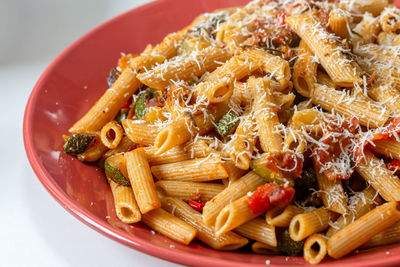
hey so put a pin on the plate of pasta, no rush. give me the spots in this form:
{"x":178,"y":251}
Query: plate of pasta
{"x":230,"y":132}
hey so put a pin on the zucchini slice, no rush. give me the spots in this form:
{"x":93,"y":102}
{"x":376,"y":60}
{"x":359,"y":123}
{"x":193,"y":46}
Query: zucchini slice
{"x":115,"y":168}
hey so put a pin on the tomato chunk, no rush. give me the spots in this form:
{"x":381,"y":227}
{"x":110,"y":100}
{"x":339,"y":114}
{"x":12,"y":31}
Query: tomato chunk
{"x":288,"y":163}
{"x":269,"y":196}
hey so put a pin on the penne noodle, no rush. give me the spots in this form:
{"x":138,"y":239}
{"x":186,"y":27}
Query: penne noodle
{"x":170,"y":226}
{"x":228,"y":241}
{"x":281,"y":217}
{"x":125,"y":203}
{"x":379,"y":177}
{"x":142,"y":181}
{"x":195,"y":170}
{"x":183,"y":129}
{"x":190,"y":190}
{"x":389,"y":236}
{"x":184,"y":68}
{"x":111,"y":134}
{"x":140,"y":132}
{"x":306,"y":224}
{"x":304,"y":71}
{"x":234,"y":214}
{"x":235,"y":190}
{"x":361,"y":230}
{"x":389,"y":148}
{"x":369,"y":114}
{"x":332,"y":193}
{"x":315,"y":248}
{"x":338,"y":22}
{"x":324,"y":47}
{"x":257,"y":229}
{"x":218,"y":86}
{"x":266,"y":117}
{"x":179,"y":153}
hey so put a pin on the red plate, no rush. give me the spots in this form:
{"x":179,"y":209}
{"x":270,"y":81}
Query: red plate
{"x":70,"y":86}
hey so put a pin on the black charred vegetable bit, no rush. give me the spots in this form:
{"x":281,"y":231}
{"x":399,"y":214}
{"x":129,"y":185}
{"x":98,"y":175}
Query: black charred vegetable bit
{"x":112,"y":76}
{"x":227,"y":123}
{"x":312,"y":200}
{"x":306,"y":184}
{"x":288,"y":246}
{"x":113,"y":167}
{"x":77,"y":143}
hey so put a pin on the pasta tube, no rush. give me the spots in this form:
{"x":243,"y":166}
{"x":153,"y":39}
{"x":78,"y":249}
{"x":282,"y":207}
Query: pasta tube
{"x":228,"y":241}
{"x":170,"y":226}
{"x":361,"y":230}
{"x":324,"y":47}
{"x":142,"y":181}
{"x":235,"y":190}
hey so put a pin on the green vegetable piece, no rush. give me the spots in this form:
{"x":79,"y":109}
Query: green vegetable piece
{"x":227,"y":123}
{"x":140,"y":105}
{"x":113,"y":167}
{"x":288,"y":246}
{"x":77,"y":143}
{"x":191,"y":82}
{"x":258,"y":166}
{"x":143,"y":99}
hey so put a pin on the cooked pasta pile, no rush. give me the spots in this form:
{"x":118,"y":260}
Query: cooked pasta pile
{"x":276,"y":123}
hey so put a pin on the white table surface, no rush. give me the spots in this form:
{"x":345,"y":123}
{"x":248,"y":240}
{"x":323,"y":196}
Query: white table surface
{"x":35,"y":229}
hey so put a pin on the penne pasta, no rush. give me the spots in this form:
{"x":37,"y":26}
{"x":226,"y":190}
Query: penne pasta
{"x":361,"y":230}
{"x":190,"y":190}
{"x":125,"y":203}
{"x":379,"y":177}
{"x":257,"y":229}
{"x":281,"y":217}
{"x":315,"y":248}
{"x":195,"y":170}
{"x":235,"y":190}
{"x":228,"y":241}
{"x":360,"y":204}
{"x":170,"y":226}
{"x":142,"y":181}
{"x":325,"y":48}
{"x":306,"y":224}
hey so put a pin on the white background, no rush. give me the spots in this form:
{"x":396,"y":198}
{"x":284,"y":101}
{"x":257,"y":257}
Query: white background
{"x":34,"y":229}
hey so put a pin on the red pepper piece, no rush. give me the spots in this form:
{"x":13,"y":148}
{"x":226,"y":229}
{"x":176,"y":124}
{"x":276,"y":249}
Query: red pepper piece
{"x":128,"y":103}
{"x":196,"y":205}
